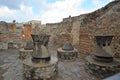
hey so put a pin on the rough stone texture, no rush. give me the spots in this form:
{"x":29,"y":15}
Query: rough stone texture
{"x":100,"y":69}
{"x":12,"y":27}
{"x":25,"y":53}
{"x":10,"y":65}
{"x":40,"y":70}
{"x":75,"y":32}
{"x":11,"y":68}
{"x":86,"y":42}
{"x":116,"y":50}
{"x":3,"y":31}
{"x":9,"y":33}
{"x":27,"y":31}
{"x":102,"y":21}
{"x":67,"y":54}
{"x":3,"y":46}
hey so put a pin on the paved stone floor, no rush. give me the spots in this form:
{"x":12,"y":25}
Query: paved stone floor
{"x":11,"y":68}
{"x":10,"y":64}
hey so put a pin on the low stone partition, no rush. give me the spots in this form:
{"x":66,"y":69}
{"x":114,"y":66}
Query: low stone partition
{"x":100,"y":69}
{"x":37,"y":71}
{"x":23,"y":54}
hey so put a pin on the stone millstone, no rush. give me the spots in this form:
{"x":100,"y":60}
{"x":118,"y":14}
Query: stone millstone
{"x":29,"y":45}
{"x":40,"y":52}
{"x":41,"y":55}
{"x":67,"y":46}
{"x":102,"y":56}
{"x":67,"y":52}
{"x":102,"y":53}
{"x":41,"y":65}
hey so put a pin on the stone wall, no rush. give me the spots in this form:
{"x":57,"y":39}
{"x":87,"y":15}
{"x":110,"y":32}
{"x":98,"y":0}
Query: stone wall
{"x":75,"y":32}
{"x":80,"y":30}
{"x":60,"y":32}
{"x":12,"y":27}
{"x":3,"y":37}
{"x":3,"y":46}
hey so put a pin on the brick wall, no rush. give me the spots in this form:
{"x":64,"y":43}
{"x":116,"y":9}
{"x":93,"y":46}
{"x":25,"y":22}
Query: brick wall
{"x":86,"y":42}
{"x":3,"y":37}
{"x":27,"y":31}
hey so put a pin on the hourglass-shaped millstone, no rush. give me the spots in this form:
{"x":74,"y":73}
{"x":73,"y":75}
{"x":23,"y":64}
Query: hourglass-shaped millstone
{"x":103,"y":40}
{"x":101,"y":63}
{"x":41,"y":65}
{"x":40,"y":51}
{"x":101,"y":54}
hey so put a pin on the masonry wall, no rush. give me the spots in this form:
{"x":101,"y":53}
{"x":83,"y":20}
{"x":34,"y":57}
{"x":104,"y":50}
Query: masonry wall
{"x":86,"y":42}
{"x":27,"y":31}
{"x":13,"y":27}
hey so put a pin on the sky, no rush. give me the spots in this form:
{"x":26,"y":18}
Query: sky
{"x":47,"y":11}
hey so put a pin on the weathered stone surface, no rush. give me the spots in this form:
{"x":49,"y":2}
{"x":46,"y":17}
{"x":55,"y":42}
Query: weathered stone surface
{"x":102,"y":21}
{"x":25,"y":53}
{"x":29,"y":45}
{"x":66,"y":70}
{"x":67,"y":52}
{"x":27,"y":31}
{"x":40,"y":70}
{"x":101,"y":61}
{"x":75,"y":32}
{"x":13,"y":67}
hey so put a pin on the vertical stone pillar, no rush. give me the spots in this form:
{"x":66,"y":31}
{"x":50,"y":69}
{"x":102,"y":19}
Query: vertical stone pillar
{"x":27,"y":31}
{"x":13,"y":27}
{"x":75,"y":32}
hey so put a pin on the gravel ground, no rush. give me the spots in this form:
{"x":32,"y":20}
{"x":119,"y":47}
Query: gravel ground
{"x":11,"y":67}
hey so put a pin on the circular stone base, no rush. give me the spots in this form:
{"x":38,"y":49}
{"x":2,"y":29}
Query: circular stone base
{"x":38,"y":71}
{"x":102,"y":69}
{"x":117,"y":59}
{"x":67,"y":55}
{"x":25,"y":53}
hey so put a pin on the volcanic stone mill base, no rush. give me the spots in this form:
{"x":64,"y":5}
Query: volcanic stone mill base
{"x":40,"y":71}
{"x":102,"y":70}
{"x":25,"y":53}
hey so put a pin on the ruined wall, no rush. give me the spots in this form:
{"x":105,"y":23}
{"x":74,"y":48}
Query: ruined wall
{"x":105,"y":21}
{"x":27,"y":31}
{"x":12,"y":27}
{"x":80,"y":30}
{"x":60,"y":33}
{"x":3,"y":31}
{"x":3,"y":37}
{"x":86,"y":42}
{"x":75,"y":32}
